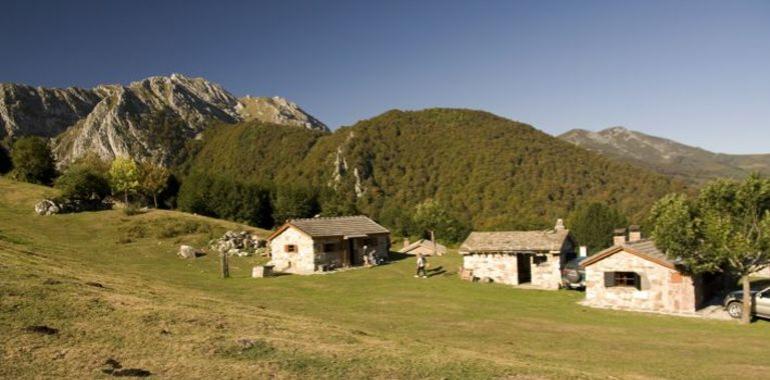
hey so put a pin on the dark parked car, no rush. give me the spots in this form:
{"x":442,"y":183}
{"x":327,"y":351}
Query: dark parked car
{"x":573,"y":276}
{"x":760,"y":306}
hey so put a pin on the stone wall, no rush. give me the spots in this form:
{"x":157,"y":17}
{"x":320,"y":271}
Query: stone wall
{"x":546,"y":274}
{"x":302,"y":261}
{"x":498,"y":267}
{"x":662,"y":289}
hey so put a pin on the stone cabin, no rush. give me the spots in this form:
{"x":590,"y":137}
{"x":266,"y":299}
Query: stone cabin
{"x":532,"y":258}
{"x":423,"y":247}
{"x":634,"y":274}
{"x":306,"y":246}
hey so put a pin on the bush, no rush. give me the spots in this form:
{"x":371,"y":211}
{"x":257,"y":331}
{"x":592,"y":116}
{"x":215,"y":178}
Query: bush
{"x":33,"y":161}
{"x":293,"y":202}
{"x":83,"y":183}
{"x":431,"y":215}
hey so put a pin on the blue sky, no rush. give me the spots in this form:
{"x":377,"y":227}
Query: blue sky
{"x":697,"y":72}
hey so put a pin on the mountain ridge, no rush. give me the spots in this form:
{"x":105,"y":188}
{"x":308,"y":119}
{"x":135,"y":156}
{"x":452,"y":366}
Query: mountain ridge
{"x":146,"y":119}
{"x":692,"y":164}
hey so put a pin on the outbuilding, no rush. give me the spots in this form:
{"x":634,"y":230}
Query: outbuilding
{"x":634,"y":274}
{"x":306,"y":246}
{"x":423,"y":247}
{"x":531,"y":258}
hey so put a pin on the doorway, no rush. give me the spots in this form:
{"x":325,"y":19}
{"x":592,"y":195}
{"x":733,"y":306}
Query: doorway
{"x":524,"y":266}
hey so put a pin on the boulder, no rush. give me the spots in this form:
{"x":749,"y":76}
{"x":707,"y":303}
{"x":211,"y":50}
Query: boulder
{"x":187,"y":252}
{"x":47,"y":207}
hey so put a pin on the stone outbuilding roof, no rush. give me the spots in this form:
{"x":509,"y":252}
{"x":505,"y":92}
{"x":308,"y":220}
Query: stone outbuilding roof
{"x":515,"y":241}
{"x":644,"y":248}
{"x":344,"y":226}
{"x":425,"y":243}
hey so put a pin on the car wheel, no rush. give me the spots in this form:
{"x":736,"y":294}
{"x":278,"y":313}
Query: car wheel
{"x":735,"y":309}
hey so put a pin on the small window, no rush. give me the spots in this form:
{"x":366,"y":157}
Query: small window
{"x":622,"y":279}
{"x":290,"y":248}
{"x":330,"y":247}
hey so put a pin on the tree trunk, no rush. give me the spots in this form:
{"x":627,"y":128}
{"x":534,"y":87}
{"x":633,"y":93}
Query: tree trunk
{"x":155,"y":200}
{"x":225,"y":265}
{"x":125,"y":197}
{"x":746,"y":317}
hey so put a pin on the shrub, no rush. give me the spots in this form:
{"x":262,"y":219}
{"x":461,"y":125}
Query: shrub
{"x":84,"y":183}
{"x":33,"y":161}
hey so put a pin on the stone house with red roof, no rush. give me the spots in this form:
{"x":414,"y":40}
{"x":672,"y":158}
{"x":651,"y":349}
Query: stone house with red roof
{"x":634,"y":274}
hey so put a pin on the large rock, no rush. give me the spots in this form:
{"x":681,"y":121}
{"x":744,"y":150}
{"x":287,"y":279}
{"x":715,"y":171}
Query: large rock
{"x":188,"y":252}
{"x":47,"y":207}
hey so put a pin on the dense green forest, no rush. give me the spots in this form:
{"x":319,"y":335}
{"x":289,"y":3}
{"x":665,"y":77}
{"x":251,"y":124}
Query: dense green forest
{"x":485,"y":171}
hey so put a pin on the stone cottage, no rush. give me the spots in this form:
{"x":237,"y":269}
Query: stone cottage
{"x":532,"y":258}
{"x":305,"y":246}
{"x":634,"y":274}
{"x":423,"y":247}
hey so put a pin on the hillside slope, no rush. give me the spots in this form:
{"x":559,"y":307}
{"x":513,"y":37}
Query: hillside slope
{"x":112,"y":288}
{"x":668,"y":157}
{"x":490,"y":171}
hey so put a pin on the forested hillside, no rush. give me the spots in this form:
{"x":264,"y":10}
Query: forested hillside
{"x":486,"y":171}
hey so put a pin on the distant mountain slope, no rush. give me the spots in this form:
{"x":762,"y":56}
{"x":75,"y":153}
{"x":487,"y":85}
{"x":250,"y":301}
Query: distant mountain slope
{"x":665,"y":156}
{"x":147,"y":119}
{"x":489,"y":171}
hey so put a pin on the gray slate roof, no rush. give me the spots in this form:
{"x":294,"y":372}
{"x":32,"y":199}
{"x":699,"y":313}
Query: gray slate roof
{"x":648,"y":247}
{"x":425,"y":243}
{"x":339,"y":226}
{"x":515,"y":241}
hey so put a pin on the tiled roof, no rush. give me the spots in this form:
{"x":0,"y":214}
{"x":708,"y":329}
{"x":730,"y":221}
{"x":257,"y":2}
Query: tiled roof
{"x":515,"y":241}
{"x":440,"y":249}
{"x":338,"y":226}
{"x":645,"y":248}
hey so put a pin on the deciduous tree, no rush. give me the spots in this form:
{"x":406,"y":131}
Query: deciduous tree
{"x":153,"y":179}
{"x":124,"y":176}
{"x":33,"y":161}
{"x":726,"y":228}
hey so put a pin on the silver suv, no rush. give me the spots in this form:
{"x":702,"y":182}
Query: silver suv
{"x":760,"y":307}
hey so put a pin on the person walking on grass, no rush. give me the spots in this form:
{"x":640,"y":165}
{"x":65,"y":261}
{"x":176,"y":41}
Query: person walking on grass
{"x":421,"y":264}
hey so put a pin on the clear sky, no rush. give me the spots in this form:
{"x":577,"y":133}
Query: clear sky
{"x":697,"y":72}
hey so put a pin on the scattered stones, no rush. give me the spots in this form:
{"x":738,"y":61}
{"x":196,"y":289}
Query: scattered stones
{"x":95,"y":284}
{"x":47,"y":207}
{"x":238,"y":243}
{"x":165,"y":332}
{"x":246,"y":343}
{"x":188,"y":252}
{"x":42,"y":329}
{"x":51,"y":281}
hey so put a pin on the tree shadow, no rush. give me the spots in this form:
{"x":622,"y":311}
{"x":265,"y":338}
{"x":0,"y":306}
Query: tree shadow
{"x":398,"y":256}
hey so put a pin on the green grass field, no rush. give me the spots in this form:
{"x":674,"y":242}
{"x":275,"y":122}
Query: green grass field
{"x":177,"y":319}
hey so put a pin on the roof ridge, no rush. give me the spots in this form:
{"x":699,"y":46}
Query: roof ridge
{"x":329,"y":217}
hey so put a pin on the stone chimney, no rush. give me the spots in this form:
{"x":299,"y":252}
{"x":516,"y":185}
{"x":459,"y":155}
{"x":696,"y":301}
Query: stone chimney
{"x":634,"y":233}
{"x":583,"y":251}
{"x":406,"y":242}
{"x":559,"y":225}
{"x":619,"y":236}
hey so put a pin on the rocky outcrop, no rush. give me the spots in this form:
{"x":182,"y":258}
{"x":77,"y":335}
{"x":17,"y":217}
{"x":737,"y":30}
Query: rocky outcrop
{"x":278,"y":110}
{"x":239,"y":244}
{"x":47,"y":207}
{"x":188,"y":252}
{"x":149,"y":119}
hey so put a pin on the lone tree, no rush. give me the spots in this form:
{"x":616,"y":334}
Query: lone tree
{"x":153,"y":179}
{"x":33,"y":161}
{"x":592,"y":225}
{"x":124,"y":176}
{"x":726,"y":228}
{"x":430,"y":215}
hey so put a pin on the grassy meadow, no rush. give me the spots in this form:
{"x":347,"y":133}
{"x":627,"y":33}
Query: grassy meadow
{"x":113,"y":287}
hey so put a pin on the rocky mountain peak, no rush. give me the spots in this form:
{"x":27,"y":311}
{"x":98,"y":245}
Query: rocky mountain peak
{"x":146,"y":119}
{"x":278,"y":110}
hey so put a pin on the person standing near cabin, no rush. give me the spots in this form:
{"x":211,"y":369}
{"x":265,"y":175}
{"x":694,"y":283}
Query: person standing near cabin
{"x":421,"y":263}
